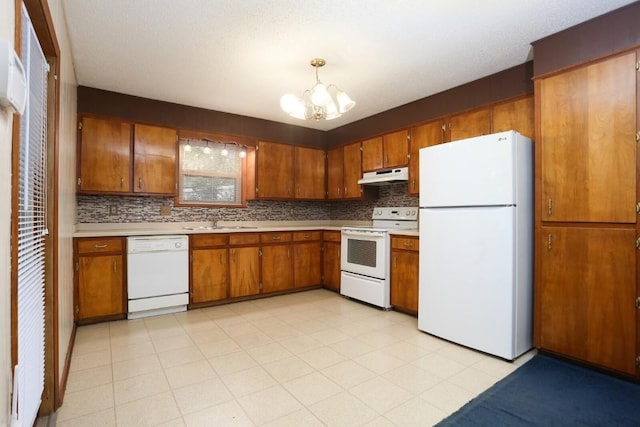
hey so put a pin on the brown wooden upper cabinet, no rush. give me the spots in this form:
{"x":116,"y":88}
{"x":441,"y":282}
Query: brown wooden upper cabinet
{"x":104,"y":155}
{"x":274,"y":170}
{"x":468,"y":124}
{"x":422,"y":136}
{"x":344,"y":169}
{"x":105,"y":160}
{"x":514,"y":115}
{"x":154,"y":166}
{"x":310,"y":167}
{"x":588,"y":143}
{"x":386,"y":151}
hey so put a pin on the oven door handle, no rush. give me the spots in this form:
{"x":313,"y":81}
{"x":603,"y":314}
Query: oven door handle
{"x":363,"y":233}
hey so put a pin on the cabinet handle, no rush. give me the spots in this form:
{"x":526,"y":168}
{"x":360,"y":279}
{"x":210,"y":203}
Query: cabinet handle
{"x":338,"y":253}
{"x":395,"y":262}
{"x":307,"y":236}
{"x":276,"y":237}
{"x":339,"y":190}
{"x":220,"y":258}
{"x":549,"y":238}
{"x":121,"y":182}
{"x":140,"y":183}
{"x":288,"y":253}
{"x":345,"y":191}
{"x":99,"y":246}
{"x":413,"y":184}
{"x":115,"y":266}
{"x":549,"y":207}
{"x":407,"y":244}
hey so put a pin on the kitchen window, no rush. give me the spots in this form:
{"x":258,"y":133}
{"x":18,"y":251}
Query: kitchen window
{"x":210,"y":173}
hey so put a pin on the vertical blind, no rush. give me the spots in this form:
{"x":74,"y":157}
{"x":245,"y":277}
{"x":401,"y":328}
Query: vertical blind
{"x":32,"y":229}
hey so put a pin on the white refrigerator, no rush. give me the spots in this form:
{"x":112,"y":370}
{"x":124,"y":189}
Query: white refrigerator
{"x":476,"y":243}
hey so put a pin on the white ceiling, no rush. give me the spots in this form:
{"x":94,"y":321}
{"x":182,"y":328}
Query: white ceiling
{"x":241,"y":56}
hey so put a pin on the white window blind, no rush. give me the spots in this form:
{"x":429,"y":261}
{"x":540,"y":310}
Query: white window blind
{"x":32,"y":229}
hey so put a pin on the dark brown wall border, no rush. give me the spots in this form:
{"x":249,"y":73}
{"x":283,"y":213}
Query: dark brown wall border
{"x":503,"y":85}
{"x":601,"y":36}
{"x":106,"y":103}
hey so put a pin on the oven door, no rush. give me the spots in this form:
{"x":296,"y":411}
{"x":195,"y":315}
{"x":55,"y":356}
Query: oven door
{"x":365,"y":252}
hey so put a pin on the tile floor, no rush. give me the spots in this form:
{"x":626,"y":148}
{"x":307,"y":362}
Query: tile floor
{"x":307,"y":359}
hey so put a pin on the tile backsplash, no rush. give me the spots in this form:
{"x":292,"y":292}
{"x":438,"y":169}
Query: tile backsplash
{"x":96,"y":209}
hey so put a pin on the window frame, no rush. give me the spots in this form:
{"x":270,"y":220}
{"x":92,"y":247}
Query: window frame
{"x":246,"y":164}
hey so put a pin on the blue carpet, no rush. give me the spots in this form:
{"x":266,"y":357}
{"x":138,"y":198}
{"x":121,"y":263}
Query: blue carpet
{"x":549,"y":392}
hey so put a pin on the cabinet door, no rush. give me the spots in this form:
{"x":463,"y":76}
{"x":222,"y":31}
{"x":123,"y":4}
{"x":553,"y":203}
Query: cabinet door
{"x":404,"y":280}
{"x":309,"y":173}
{"x":105,"y":155}
{"x":100,"y":286}
{"x":422,"y":136}
{"x":352,"y":171}
{"x":335,"y":182}
{"x":331,"y":265}
{"x":586,"y":289}
{"x":395,"y":148}
{"x":209,"y":274}
{"x":274,"y":170}
{"x":516,"y":115}
{"x":277,"y":273}
{"x":372,"y":154}
{"x":307,"y":269}
{"x":588,"y":143}
{"x":155,"y":159}
{"x":470,"y":124}
{"x":244,"y":272}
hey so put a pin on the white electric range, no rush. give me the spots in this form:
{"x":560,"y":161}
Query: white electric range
{"x":366,"y":252}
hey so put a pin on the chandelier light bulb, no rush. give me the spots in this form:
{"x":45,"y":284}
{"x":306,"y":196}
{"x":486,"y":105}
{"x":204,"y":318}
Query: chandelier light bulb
{"x":319,"y":94}
{"x":224,"y":152}
{"x":243,"y":153}
{"x":207,"y":150}
{"x":187,"y":148}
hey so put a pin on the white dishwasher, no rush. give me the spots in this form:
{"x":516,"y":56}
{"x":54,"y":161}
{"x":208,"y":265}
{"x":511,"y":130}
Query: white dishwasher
{"x":157,"y":275}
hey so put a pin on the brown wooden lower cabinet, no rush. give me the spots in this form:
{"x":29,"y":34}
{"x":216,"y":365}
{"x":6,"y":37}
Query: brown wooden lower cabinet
{"x":331,"y":260}
{"x":100,"y":279}
{"x":307,"y":267}
{"x":276,"y":260}
{"x":244,"y":271}
{"x":404,"y":273}
{"x":585,"y":295}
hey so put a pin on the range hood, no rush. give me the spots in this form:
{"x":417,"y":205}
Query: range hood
{"x":384,"y":177}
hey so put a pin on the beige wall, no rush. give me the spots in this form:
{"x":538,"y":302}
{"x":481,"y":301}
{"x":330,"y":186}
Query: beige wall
{"x":7,"y":26}
{"x":66,"y":182}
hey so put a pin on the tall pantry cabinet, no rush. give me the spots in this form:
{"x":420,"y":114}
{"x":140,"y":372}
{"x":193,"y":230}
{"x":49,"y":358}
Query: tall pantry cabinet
{"x":587,"y":239}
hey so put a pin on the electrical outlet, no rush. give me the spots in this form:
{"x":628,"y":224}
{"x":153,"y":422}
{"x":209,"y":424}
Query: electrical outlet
{"x":165,"y":210}
{"x":113,"y":210}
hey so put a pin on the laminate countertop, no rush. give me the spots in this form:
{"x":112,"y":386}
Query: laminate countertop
{"x":172,"y":228}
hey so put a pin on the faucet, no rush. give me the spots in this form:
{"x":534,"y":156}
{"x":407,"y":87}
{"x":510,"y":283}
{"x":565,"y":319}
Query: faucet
{"x":215,"y":218}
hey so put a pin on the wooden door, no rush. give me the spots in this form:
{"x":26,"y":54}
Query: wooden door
{"x":104,"y":155}
{"x":514,"y":115}
{"x":154,"y":159}
{"x":585,"y":295}
{"x":244,"y":271}
{"x":395,"y":147}
{"x":404,"y":280}
{"x":309,"y":177}
{"x":422,"y":136}
{"x":307,"y":268}
{"x":274,"y":170}
{"x":331,"y":265}
{"x":469,"y":124}
{"x":335,"y":181}
{"x":277,"y":273}
{"x":588,"y":143}
{"x":352,"y":171}
{"x":100,"y":286}
{"x":372,"y":154}
{"x":209,"y":273}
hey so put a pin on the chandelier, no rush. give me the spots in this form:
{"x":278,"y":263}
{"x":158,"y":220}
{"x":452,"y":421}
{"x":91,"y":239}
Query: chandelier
{"x":320,"y":102}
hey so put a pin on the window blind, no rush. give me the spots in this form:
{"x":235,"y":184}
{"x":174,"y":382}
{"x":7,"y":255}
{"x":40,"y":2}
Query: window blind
{"x":32,"y":229}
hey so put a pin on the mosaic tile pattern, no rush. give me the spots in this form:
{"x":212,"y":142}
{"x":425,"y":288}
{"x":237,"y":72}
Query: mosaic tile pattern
{"x":95,"y":209}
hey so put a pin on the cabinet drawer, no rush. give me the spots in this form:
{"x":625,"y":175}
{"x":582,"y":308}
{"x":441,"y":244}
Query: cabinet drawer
{"x":300,"y":236}
{"x":331,"y":236}
{"x":244,"y":238}
{"x":407,"y":243}
{"x":89,"y":246}
{"x":208,"y":240}
{"x":275,"y":237}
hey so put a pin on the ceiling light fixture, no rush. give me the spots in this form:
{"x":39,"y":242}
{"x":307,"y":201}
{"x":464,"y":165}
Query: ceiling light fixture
{"x":207,"y":150}
{"x":224,"y":151}
{"x":320,"y":102}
